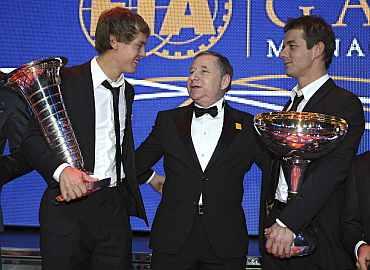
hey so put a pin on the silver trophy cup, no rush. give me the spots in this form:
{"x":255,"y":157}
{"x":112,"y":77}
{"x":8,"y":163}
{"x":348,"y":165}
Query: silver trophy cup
{"x":298,"y":138}
{"x":39,"y":83}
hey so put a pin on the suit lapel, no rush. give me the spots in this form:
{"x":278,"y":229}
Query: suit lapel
{"x":319,"y":95}
{"x":183,"y":127}
{"x":228,"y":134}
{"x":79,"y":94}
{"x":127,"y":138}
{"x":129,"y":97}
{"x":286,"y":106}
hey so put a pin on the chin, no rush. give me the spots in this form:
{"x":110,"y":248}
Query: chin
{"x":289,"y":74}
{"x":131,"y":70}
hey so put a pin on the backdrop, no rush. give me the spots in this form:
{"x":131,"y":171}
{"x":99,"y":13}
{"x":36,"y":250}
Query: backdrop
{"x":248,"y":32}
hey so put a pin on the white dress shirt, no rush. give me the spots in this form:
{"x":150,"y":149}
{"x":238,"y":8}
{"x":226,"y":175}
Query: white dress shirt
{"x":205,"y":133}
{"x":105,"y":138}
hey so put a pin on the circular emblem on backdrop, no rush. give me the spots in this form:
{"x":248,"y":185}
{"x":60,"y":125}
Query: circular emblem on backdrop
{"x":179,"y":28}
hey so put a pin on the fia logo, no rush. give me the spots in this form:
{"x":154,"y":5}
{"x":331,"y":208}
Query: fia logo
{"x":179,"y":28}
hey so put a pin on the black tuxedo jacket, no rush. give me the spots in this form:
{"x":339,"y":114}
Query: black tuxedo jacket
{"x":14,"y":120}
{"x":78,"y":96}
{"x":356,"y":216}
{"x":221,"y":183}
{"x":321,"y":198}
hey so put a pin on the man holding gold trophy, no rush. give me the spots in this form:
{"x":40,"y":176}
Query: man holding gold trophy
{"x":314,"y":210}
{"x":89,"y":150}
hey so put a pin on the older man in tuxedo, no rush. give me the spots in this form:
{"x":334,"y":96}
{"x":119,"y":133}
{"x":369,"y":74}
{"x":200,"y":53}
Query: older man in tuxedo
{"x":207,"y":147}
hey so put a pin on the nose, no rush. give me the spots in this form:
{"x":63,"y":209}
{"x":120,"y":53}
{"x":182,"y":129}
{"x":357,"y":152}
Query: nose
{"x":283,"y":53}
{"x":193,"y":76}
{"x":142,"y":51}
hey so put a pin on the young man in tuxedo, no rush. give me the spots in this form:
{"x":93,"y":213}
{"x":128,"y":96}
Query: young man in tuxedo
{"x":356,"y":217}
{"x":207,"y":147}
{"x":308,"y":48}
{"x":92,"y":231}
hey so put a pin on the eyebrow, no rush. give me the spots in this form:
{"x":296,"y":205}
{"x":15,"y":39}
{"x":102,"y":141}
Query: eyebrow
{"x":192,"y":67}
{"x":290,"y":41}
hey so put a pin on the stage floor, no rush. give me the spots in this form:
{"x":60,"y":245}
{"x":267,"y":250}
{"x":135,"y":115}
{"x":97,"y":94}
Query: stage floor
{"x":21,"y":250}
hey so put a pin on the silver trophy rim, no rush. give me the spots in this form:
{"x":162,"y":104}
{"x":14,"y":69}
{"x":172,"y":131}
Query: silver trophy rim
{"x":63,"y":60}
{"x":302,"y":116}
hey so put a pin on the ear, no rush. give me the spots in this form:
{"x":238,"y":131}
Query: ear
{"x":318,"y":49}
{"x":113,"y":42}
{"x":225,"y":81}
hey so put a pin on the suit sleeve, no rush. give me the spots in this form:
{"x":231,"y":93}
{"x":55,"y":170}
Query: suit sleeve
{"x":39,"y":154}
{"x":329,"y":172}
{"x":13,"y":166}
{"x":263,"y":156}
{"x":352,"y":230}
{"x":149,"y":152}
{"x":14,"y":124}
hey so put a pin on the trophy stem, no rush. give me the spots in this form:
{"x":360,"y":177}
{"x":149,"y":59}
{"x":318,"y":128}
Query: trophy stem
{"x":297,"y":167}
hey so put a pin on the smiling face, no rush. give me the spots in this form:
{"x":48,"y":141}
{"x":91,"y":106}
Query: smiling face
{"x":206,"y":85}
{"x":127,"y":56}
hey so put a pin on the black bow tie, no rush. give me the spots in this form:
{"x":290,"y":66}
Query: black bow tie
{"x":212,"y":111}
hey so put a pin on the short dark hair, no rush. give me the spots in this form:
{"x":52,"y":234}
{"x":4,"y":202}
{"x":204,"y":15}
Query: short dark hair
{"x":223,"y":64}
{"x":120,"y":23}
{"x":315,"y":30}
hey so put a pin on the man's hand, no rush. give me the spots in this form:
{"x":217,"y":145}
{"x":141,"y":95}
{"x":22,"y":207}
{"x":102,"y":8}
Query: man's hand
{"x":279,"y":241}
{"x":363,"y":260}
{"x":157,"y":182}
{"x":72,"y":183}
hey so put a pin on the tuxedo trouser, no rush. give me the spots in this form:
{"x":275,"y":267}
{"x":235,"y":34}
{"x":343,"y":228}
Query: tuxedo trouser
{"x":91,"y":233}
{"x":196,"y":254}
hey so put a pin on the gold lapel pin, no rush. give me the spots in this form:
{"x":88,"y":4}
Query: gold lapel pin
{"x":238,"y":126}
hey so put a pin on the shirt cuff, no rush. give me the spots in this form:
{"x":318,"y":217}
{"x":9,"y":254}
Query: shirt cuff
{"x":150,"y":178}
{"x":59,"y":170}
{"x":278,"y":221}
{"x":360,"y":243}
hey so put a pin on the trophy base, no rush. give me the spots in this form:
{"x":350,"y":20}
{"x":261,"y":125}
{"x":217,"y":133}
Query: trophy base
{"x":303,"y":245}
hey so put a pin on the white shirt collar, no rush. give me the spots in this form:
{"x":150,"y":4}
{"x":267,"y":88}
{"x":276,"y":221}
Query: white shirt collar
{"x":98,"y":76}
{"x":310,"y":89}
